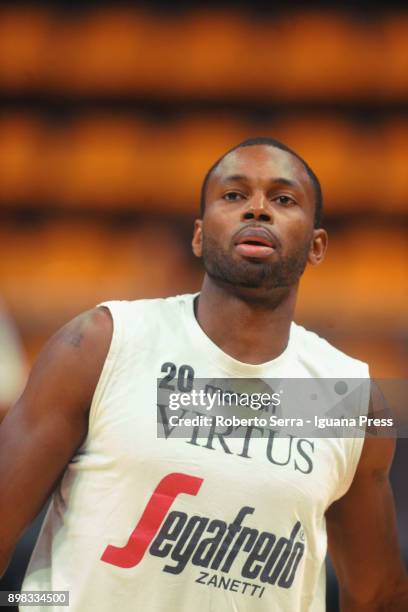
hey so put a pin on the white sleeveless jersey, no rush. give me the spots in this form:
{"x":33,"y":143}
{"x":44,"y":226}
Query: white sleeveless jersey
{"x":141,"y":523}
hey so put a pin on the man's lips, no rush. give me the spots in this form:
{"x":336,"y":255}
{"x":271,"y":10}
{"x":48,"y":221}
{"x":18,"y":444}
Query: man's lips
{"x":255,"y":242}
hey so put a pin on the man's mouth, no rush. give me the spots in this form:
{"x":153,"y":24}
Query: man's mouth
{"x":255,"y":242}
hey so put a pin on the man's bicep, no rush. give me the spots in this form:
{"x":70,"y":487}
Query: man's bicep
{"x":362,"y":532}
{"x":42,"y":431}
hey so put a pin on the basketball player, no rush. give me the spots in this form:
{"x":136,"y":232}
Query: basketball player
{"x":174,"y":525}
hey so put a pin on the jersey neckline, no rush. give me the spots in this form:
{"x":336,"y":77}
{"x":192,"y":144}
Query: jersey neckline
{"x":219,"y":357}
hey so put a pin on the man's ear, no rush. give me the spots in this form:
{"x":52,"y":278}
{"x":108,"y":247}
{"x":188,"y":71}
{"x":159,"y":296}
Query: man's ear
{"x":318,"y":247}
{"x":197,"y":242}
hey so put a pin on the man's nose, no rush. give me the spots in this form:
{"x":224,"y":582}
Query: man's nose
{"x":257,"y":209}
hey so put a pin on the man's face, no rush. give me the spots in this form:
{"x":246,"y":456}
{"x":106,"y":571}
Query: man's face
{"x":258,"y":225}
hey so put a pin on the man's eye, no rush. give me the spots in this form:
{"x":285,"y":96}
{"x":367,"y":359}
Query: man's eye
{"x":285,"y":200}
{"x":233,"y":196}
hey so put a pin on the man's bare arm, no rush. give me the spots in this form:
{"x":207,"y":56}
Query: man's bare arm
{"x":3,"y":412}
{"x":41,"y":433}
{"x":362,"y":535}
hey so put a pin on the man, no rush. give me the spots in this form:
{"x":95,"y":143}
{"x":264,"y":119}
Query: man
{"x":145,"y":523}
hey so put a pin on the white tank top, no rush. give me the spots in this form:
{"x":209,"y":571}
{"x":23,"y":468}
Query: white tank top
{"x":141,"y":523}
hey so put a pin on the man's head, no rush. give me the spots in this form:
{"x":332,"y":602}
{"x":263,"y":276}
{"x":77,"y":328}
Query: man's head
{"x":269,"y":142}
{"x":261,"y":216}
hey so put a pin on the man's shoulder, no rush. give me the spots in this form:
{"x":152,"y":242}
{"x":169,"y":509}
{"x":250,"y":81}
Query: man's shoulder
{"x":325,"y":358}
{"x":148,"y":304}
{"x":142,"y":316}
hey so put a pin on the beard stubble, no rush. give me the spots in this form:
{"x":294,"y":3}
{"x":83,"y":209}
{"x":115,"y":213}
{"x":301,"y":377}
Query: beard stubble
{"x":285,"y":271}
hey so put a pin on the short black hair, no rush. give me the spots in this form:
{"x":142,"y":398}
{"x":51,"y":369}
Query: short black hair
{"x":270,"y":142}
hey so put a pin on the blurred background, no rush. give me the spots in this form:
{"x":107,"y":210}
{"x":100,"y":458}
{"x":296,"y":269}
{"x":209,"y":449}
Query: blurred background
{"x":112,"y":112}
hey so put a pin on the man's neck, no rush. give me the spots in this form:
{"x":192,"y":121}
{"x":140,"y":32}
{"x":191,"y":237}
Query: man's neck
{"x":250,"y":325}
